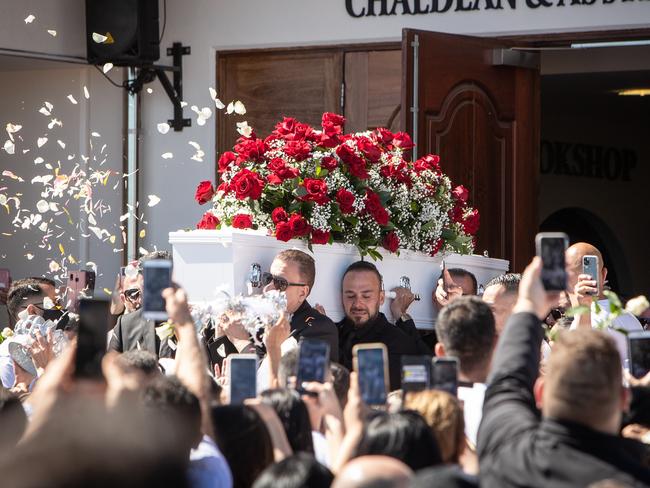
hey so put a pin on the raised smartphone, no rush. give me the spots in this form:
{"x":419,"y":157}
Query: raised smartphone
{"x":416,"y":373}
{"x":371,"y":364}
{"x":157,"y":275}
{"x":91,"y":338}
{"x":242,"y":372}
{"x":551,"y":247}
{"x":590,"y":266}
{"x":639,"y":353}
{"x":313,"y":362}
{"x":81,"y":284}
{"x":445,"y":375}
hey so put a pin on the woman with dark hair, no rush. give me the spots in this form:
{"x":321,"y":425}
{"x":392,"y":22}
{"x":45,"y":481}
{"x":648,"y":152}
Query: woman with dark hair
{"x":244,"y":440}
{"x":298,"y":471}
{"x":294,"y":416}
{"x":403,"y":435}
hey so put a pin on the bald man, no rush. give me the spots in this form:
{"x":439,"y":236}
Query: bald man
{"x":374,"y":472}
{"x":583,"y":290}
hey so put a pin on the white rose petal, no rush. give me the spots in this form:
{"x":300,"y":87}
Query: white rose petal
{"x":231,"y":108}
{"x":38,"y":160}
{"x":244,"y":129}
{"x":153,"y":200}
{"x":10,"y":147}
{"x":29,"y":19}
{"x":86,"y":94}
{"x":42,"y":206}
{"x":44,"y":111}
{"x":29,"y":256}
{"x":213,"y":93}
{"x":149,"y":91}
{"x":200,"y":121}
{"x":107,"y":67}
{"x":163,"y":127}
{"x":95,"y":134}
{"x":72,"y":99}
{"x":54,"y":267}
{"x":240,"y":108}
{"x":98,"y":38}
{"x":61,"y":143}
{"x":41,"y":141}
{"x":638,"y":305}
{"x":3,"y":199}
{"x":206,"y":113}
{"x":52,"y":32}
{"x":219,"y":104}
{"x":167,"y":155}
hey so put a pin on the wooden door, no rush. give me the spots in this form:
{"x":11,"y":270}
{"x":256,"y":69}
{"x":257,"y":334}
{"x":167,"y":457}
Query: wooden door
{"x":482,"y":118}
{"x":300,"y":83}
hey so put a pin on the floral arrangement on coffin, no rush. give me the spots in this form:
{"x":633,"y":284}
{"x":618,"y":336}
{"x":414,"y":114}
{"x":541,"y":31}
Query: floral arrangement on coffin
{"x":325,"y":186}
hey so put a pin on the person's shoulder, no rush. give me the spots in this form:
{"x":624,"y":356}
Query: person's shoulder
{"x":131,"y":318}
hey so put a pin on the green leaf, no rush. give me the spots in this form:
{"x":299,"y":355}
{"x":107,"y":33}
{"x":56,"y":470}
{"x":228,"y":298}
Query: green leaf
{"x":300,"y":192}
{"x":573,"y":311}
{"x":448,"y":234}
{"x":336,"y":228}
{"x":384,"y":196}
{"x":615,"y":305}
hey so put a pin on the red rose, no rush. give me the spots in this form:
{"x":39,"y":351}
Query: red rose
{"x":383,"y":136}
{"x":391,"y":242}
{"x":320,"y":237}
{"x":204,"y":192}
{"x":242,"y":221}
{"x":398,"y":173}
{"x":460,"y":193}
{"x":456,"y":213}
{"x":299,"y":225}
{"x":333,"y":119}
{"x":345,"y":200}
{"x":316,"y":191}
{"x":280,"y":171}
{"x":375,"y":208}
{"x":356,"y":165}
{"x":250,"y":149}
{"x":247,"y":184}
{"x":287,"y":126}
{"x":403,"y":141}
{"x":430,"y":161}
{"x":328,"y":163}
{"x":226,"y":160}
{"x":299,"y":150}
{"x":436,"y":247}
{"x":283,"y":231}
{"x":369,"y":149}
{"x":209,"y":221}
{"x":471,"y":222}
{"x":279,"y":215}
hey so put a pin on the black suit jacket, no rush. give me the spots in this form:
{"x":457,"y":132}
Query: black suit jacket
{"x":516,"y":448}
{"x":309,"y":323}
{"x":133,"y":331}
{"x":398,"y":343}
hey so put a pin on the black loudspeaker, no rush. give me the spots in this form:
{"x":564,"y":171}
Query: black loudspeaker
{"x":133,"y":29}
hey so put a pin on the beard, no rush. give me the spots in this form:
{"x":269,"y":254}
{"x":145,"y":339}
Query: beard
{"x":363,"y":319}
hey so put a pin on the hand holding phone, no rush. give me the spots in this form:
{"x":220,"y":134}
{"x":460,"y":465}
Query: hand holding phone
{"x":551,"y":247}
{"x":157,"y":276}
{"x":639,"y":353}
{"x":591,"y":268}
{"x":371,"y":364}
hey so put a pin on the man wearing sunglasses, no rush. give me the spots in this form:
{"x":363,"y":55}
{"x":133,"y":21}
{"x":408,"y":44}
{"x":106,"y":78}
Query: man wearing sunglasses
{"x":132,"y":331}
{"x":294,"y":273}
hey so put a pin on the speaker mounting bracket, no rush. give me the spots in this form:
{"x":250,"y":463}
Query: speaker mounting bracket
{"x":174,"y":88}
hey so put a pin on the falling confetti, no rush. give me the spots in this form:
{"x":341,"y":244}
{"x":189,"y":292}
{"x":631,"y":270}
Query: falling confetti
{"x":41,"y":141}
{"x":149,"y":91}
{"x":61,"y":143}
{"x":29,"y":19}
{"x":52,"y":32}
{"x":107,"y":67}
{"x":42,"y":206}
{"x":218,"y":103}
{"x":163,"y":127}
{"x":236,"y":107}
{"x":86,"y":93}
{"x":142,"y":233}
{"x":12,"y":129}
{"x":72,"y":99}
{"x":38,"y":160}
{"x":95,"y":134}
{"x":167,"y":155}
{"x":153,"y":200}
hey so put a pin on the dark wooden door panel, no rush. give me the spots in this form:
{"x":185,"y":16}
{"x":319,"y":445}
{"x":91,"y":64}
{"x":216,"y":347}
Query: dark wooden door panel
{"x":373,"y":81}
{"x":483,"y":121}
{"x":301,"y":84}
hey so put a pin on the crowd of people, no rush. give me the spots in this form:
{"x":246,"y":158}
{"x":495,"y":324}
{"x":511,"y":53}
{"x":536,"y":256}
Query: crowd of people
{"x":543,"y":398}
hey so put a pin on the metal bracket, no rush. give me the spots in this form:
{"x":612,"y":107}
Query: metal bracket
{"x":174,"y":91}
{"x":516,"y":58}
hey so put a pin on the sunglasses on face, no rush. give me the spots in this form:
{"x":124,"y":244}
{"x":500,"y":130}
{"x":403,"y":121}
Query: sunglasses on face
{"x":279,"y":283}
{"x":132,"y":293}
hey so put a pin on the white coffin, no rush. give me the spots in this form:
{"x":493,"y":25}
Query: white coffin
{"x":207,"y":259}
